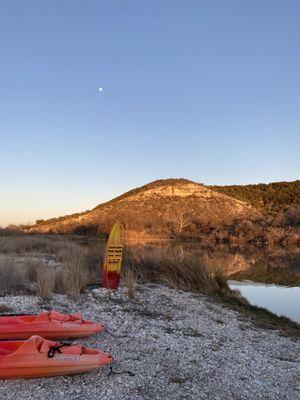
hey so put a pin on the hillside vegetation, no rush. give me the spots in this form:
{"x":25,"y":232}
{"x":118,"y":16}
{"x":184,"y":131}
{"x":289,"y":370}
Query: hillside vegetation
{"x":272,"y":199}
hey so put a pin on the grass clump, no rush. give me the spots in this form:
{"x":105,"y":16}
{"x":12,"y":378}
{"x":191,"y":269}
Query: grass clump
{"x":11,"y":277}
{"x":74,"y":276}
{"x":130,"y":280}
{"x":45,"y":283}
{"x":185,"y":273}
{"x":76,"y":280}
{"x":31,"y":267}
{"x":221,"y":280}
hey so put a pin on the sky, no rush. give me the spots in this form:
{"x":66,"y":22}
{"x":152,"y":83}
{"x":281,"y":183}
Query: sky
{"x":205,"y":90}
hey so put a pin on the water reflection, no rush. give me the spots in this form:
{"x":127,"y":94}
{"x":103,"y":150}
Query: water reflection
{"x":266,"y":265}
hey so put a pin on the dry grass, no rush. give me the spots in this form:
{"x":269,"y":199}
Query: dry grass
{"x":25,"y":244}
{"x":75,"y":276}
{"x":130,"y":280}
{"x":45,"y":283}
{"x":11,"y":277}
{"x":93,"y":260}
{"x":68,"y":252}
{"x":76,"y":280}
{"x":60,"y":281}
{"x":221,"y":279}
{"x":187,"y":274}
{"x":81,"y":265}
{"x":31,"y":267}
{"x":177,"y":271}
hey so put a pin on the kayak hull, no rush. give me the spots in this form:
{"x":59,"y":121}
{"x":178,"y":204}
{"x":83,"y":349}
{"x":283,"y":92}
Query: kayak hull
{"x":25,"y":326}
{"x":30,"y":363}
{"x":48,"y":331}
{"x":21,"y":371}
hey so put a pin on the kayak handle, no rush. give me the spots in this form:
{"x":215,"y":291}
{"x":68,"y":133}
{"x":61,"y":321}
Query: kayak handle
{"x":57,"y":349}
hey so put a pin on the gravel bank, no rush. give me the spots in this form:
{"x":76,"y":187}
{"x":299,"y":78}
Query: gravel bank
{"x":179,"y":345}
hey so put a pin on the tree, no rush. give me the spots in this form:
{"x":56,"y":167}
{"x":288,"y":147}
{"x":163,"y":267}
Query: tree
{"x":180,"y":218}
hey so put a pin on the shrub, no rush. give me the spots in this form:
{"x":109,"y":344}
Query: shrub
{"x":291,"y":217}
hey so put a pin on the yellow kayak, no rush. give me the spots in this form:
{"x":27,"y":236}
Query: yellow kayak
{"x":113,"y":258}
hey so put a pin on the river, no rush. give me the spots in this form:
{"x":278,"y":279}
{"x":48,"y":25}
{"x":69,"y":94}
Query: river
{"x":280,"y":300}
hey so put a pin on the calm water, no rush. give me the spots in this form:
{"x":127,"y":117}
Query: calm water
{"x":281,"y":300}
{"x":267,"y":277}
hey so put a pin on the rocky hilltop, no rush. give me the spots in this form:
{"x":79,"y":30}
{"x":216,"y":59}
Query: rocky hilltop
{"x":163,"y":208}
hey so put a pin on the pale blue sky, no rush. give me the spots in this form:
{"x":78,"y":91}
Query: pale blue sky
{"x":206,"y":90}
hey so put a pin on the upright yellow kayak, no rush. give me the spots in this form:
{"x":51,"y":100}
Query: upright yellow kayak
{"x":113,"y":258}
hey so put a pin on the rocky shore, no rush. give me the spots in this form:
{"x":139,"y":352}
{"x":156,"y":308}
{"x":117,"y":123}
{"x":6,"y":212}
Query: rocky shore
{"x":178,"y":345}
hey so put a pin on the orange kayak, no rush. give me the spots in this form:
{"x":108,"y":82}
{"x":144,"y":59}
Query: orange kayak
{"x":51,"y":325}
{"x":38,"y":357}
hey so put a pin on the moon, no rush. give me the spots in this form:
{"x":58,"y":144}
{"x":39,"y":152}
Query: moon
{"x":100,"y":89}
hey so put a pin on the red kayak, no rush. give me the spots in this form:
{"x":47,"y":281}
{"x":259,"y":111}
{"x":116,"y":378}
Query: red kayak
{"x":51,"y":325}
{"x":38,"y":357}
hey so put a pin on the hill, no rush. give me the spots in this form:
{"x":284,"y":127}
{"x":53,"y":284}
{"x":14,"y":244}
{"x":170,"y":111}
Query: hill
{"x":163,"y":208}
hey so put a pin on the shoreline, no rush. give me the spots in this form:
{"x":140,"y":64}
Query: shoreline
{"x":177,"y":343}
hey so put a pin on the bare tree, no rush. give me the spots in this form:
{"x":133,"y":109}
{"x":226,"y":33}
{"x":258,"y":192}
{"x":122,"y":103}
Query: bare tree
{"x":181,"y":219}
